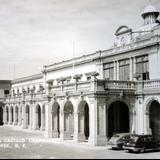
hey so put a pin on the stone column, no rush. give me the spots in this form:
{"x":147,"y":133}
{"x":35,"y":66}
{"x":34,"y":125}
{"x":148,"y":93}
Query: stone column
{"x":100,"y":71}
{"x":26,"y":120}
{"x":24,"y":117}
{"x":14,"y":115}
{"x":107,"y":135}
{"x":147,"y":128}
{"x":117,"y":70}
{"x":62,"y":125}
{"x":101,"y":118}
{"x":61,"y":103}
{"x":10,"y":116}
{"x":69,"y":124}
{"x":131,"y":69}
{"x":54,"y":125}
{"x":43,"y":119}
{"x":140,"y":115}
{"x":80,"y":125}
{"x":99,"y":66}
{"x":48,"y":131}
{"x":20,"y":116}
{"x":76,"y":132}
{"x":4,"y":115}
{"x":34,"y":117}
{"x":134,"y":67}
{"x":133,"y":120}
{"x":31,"y":116}
{"x":93,"y":121}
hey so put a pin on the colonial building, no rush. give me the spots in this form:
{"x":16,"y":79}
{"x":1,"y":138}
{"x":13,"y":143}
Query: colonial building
{"x":92,"y":97}
{"x":5,"y":87}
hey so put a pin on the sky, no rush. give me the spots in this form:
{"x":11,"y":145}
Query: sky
{"x":34,"y":33}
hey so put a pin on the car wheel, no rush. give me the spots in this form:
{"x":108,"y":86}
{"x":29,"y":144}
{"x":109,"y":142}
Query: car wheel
{"x":120,"y":147}
{"x":142,"y":150}
{"x":130,"y":151}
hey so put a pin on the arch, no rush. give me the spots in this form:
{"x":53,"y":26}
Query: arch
{"x":112,"y":100}
{"x":56,"y":120}
{"x":1,"y":115}
{"x":122,"y":29}
{"x":43,"y":117}
{"x":149,"y":102}
{"x":12,"y":114}
{"x":83,"y":120}
{"x":20,"y":115}
{"x":7,"y":114}
{"x":16,"y":115}
{"x":154,"y":118}
{"x":118,"y":118}
{"x":27,"y":116}
{"x":38,"y":117}
{"x":68,"y":120}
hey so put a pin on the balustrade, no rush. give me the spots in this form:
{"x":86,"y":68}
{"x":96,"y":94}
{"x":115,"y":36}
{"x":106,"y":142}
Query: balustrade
{"x":92,"y":86}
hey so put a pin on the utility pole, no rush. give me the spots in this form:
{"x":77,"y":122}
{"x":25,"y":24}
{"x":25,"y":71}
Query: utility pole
{"x":14,"y":71}
{"x":73,"y":58}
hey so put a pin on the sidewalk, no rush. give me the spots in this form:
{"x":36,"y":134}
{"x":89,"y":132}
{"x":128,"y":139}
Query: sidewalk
{"x":41,"y":139}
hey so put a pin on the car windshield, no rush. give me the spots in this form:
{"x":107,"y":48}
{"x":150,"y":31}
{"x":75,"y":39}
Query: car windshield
{"x":133,"y":139}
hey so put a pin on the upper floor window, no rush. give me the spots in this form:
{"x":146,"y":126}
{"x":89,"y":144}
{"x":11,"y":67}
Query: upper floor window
{"x":6,"y":92}
{"x":124,"y":70}
{"x":109,"y":71}
{"x":142,"y":67}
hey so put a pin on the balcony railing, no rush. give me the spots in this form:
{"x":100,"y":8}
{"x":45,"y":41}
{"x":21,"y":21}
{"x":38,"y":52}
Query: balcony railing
{"x":153,"y":84}
{"x":93,"y":86}
{"x":72,"y":87}
{"x":120,"y":85}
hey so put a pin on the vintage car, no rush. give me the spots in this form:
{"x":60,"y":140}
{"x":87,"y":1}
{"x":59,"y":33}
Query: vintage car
{"x":141,"y":144}
{"x":118,"y":140}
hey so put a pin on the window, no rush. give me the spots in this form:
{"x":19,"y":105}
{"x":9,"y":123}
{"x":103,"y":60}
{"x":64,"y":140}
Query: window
{"x":6,"y":92}
{"x":124,"y":70}
{"x":142,"y":67}
{"x":88,"y":78}
{"x":109,"y":71}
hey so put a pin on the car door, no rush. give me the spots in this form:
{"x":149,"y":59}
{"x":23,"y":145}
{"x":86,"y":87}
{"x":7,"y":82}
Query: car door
{"x":140,"y":143}
{"x":149,"y":143}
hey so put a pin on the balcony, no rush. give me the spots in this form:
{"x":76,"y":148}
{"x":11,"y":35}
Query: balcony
{"x":109,"y":87}
{"x":146,"y":87}
{"x":120,"y":85}
{"x":95,"y":86}
{"x":99,"y":87}
{"x":73,"y":88}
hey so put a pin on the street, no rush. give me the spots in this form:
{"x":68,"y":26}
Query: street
{"x":18,"y":144}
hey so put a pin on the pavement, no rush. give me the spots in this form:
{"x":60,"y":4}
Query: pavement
{"x":23,"y":144}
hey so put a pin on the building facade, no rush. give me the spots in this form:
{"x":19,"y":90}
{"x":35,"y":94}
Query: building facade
{"x":90,"y":98}
{"x":5,"y":87}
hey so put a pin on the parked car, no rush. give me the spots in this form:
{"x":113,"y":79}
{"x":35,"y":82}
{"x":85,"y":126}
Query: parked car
{"x":118,"y":140}
{"x":141,"y":143}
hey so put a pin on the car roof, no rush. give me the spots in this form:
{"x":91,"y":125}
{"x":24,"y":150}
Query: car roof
{"x":123,"y":134}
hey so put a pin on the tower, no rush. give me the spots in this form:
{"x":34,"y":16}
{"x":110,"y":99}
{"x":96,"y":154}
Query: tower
{"x":150,"y":16}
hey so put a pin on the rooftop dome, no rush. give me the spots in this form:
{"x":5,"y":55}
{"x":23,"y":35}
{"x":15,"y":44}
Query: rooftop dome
{"x":150,"y":10}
